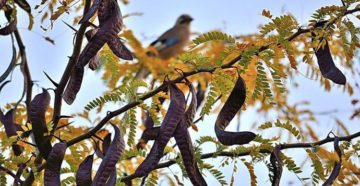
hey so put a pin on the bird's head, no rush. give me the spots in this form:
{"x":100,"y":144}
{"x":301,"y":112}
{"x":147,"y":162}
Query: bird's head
{"x":184,"y":19}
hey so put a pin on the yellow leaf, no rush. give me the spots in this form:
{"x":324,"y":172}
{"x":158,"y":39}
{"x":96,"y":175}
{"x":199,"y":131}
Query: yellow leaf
{"x":293,"y":62}
{"x":194,"y":127}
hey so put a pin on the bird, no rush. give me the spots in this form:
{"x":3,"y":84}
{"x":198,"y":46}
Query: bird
{"x":173,"y":41}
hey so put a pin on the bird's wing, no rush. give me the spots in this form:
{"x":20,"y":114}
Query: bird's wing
{"x":169,"y":38}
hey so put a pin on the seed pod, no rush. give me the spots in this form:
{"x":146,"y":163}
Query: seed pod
{"x":11,"y":65}
{"x":200,"y":95}
{"x":83,"y":175}
{"x":337,"y":166}
{"x":90,"y":12}
{"x":113,"y":154}
{"x":74,"y":85}
{"x":95,"y":61}
{"x":38,"y":107}
{"x":106,"y":143}
{"x":11,"y":128}
{"x":277,"y":166}
{"x":172,"y":118}
{"x":24,"y":5}
{"x":227,"y":113}
{"x":326,"y":64}
{"x":106,"y":32}
{"x":11,"y":27}
{"x":53,"y":165}
{"x":119,"y":49}
{"x":183,"y":140}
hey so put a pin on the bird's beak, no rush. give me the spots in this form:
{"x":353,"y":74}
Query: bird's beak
{"x":191,"y":19}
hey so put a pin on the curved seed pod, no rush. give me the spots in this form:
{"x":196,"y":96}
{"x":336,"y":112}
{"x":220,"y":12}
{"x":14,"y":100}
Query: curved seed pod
{"x":24,"y":5}
{"x":106,"y":143}
{"x":53,"y":165}
{"x":172,"y":118}
{"x":11,"y":65}
{"x":10,"y":28}
{"x":277,"y":165}
{"x":119,"y":49}
{"x":110,"y":159}
{"x":91,"y":12}
{"x":38,"y":107}
{"x":98,"y":151}
{"x":106,"y":32}
{"x":227,"y":113}
{"x":83,"y":175}
{"x":183,"y":140}
{"x":200,"y":95}
{"x":191,"y":111}
{"x":326,"y":64}
{"x":337,"y":167}
{"x":11,"y":128}
{"x":95,"y":61}
{"x":74,"y":85}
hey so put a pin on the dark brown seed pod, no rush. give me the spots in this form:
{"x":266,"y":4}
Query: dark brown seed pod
{"x":106,"y":143}
{"x":83,"y":175}
{"x":119,"y":49}
{"x":113,"y":154}
{"x":200,"y":95}
{"x":11,"y":65}
{"x":38,"y":107}
{"x":74,"y":85}
{"x":11,"y":27}
{"x":95,"y":61}
{"x":106,"y":32}
{"x":231,"y":107}
{"x":11,"y":128}
{"x":90,"y":12}
{"x":326,"y":64}
{"x":53,"y":165}
{"x":24,"y":5}
{"x":183,"y":140}
{"x":168,"y":126}
{"x":337,"y":167}
{"x":277,"y":166}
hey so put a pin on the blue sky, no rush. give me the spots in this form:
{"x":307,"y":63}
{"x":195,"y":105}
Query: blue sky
{"x":232,"y":16}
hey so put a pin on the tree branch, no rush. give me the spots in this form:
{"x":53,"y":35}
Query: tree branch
{"x":67,"y":72}
{"x":163,"y":87}
{"x":246,"y":153}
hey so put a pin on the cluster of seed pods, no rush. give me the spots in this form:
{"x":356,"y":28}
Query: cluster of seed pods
{"x":110,"y":24}
{"x":106,"y":173}
{"x":176,"y":123}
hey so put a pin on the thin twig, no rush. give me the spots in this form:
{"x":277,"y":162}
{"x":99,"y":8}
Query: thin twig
{"x":246,"y":153}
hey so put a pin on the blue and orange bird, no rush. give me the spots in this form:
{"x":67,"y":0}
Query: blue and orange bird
{"x":173,"y":41}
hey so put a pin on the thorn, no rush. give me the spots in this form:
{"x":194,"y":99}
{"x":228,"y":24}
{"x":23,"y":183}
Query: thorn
{"x":64,"y":116}
{"x":62,"y":126}
{"x":72,"y":28}
{"x":52,"y":81}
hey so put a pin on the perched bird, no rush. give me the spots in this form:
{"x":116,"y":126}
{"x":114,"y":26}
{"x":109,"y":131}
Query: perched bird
{"x":173,"y":41}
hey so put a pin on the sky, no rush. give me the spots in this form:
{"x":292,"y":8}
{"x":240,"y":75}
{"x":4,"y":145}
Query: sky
{"x":231,"y":16}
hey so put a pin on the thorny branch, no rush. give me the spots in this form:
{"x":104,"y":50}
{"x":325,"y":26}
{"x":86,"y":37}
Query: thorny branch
{"x":246,"y":153}
{"x":163,"y":87}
